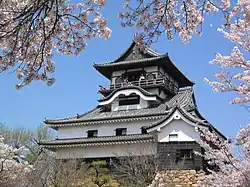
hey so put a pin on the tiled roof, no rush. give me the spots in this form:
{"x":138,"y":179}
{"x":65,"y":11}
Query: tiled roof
{"x":97,"y":115}
{"x":132,"y":59}
{"x":102,"y":140}
{"x":182,"y":98}
{"x":137,"y":61}
{"x":184,"y":113}
{"x":131,"y":48}
{"x":127,"y":88}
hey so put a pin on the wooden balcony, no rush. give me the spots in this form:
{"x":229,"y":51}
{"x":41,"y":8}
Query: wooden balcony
{"x":158,"y":82}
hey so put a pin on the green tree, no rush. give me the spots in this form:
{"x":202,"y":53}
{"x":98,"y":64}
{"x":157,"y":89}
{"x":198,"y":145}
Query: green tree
{"x":100,"y":175}
{"x":18,"y":137}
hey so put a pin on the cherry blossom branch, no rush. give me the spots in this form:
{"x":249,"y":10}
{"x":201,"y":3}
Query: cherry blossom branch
{"x":31,"y":29}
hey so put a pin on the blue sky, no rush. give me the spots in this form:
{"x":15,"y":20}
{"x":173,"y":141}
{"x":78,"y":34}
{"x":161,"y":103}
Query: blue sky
{"x":75,"y":90}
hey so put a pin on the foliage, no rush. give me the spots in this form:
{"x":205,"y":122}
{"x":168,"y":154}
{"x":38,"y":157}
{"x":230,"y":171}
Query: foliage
{"x":100,"y":174}
{"x":30,"y":30}
{"x":18,"y":137}
{"x":13,"y":168}
{"x":50,"y":171}
{"x":132,"y":170}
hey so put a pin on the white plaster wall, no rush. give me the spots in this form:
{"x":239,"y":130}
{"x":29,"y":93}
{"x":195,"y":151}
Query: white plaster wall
{"x":115,"y":74}
{"x":151,"y":69}
{"x":115,"y":104}
{"x":185,"y":131}
{"x":113,"y":80}
{"x":107,"y":151}
{"x":143,"y":103}
{"x":103,"y":129}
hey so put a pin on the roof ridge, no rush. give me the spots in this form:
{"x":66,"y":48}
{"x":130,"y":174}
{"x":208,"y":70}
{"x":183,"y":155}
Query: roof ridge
{"x":153,"y":52}
{"x":126,"y":61}
{"x":126,"y":51}
{"x":79,"y":120}
{"x":133,"y":44}
{"x":190,"y":88}
{"x":191,"y":116}
{"x":72,"y":117}
{"x":84,"y":114}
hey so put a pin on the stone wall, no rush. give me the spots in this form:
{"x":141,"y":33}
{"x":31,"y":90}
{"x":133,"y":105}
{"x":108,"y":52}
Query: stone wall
{"x":167,"y":156}
{"x":176,"y":178}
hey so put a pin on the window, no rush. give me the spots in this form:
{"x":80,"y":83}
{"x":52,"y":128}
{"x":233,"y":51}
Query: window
{"x":173,"y":137}
{"x":131,"y":100}
{"x":121,"y":131}
{"x":186,"y":153}
{"x":92,"y":133}
{"x":143,"y":130}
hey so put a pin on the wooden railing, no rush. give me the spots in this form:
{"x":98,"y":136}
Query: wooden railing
{"x":143,"y":83}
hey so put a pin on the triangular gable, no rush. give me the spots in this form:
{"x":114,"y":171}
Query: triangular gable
{"x":175,"y":114}
{"x":131,"y":53}
{"x":181,"y":136}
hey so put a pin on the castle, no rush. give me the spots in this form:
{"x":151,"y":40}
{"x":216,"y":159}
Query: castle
{"x":148,"y":108}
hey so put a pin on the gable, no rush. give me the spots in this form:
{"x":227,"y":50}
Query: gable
{"x":178,"y":130}
{"x":133,"y":53}
{"x":177,"y":124}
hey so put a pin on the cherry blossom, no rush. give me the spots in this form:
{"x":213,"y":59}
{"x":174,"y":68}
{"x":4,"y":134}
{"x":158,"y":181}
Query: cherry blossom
{"x":237,"y":30}
{"x":160,"y":17}
{"x":31,"y":31}
{"x":228,"y":160}
{"x":13,"y":168}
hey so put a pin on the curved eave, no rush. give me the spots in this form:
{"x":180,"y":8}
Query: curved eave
{"x":106,"y":69}
{"x":184,"y":113}
{"x":55,"y":124}
{"x":146,"y":93}
{"x":212,"y":128}
{"x":97,"y":141}
{"x":199,"y":121}
{"x":177,"y":74}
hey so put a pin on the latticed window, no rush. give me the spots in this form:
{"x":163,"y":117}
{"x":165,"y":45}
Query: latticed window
{"x":120,"y":131}
{"x":185,"y":153}
{"x":144,"y":130}
{"x":173,"y":137}
{"x":92,"y":133}
{"x":130,"y":100}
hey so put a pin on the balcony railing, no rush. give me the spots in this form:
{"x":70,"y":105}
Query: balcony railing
{"x":143,"y":83}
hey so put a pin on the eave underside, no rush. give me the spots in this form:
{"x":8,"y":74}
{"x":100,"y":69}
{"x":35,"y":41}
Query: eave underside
{"x":97,"y":141}
{"x":107,"y":69}
{"x":97,"y":115}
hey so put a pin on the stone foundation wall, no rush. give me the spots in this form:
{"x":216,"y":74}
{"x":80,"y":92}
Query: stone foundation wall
{"x":176,"y":178}
{"x":167,"y":155}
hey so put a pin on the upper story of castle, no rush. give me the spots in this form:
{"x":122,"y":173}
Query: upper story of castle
{"x":139,"y":79}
